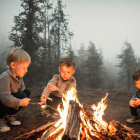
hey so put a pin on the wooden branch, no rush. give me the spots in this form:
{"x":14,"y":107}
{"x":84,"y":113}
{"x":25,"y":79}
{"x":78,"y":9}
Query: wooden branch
{"x":48,"y":133}
{"x":35,"y":131}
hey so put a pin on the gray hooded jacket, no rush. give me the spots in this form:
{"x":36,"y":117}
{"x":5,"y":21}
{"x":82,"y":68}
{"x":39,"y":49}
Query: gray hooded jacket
{"x":9,"y":84}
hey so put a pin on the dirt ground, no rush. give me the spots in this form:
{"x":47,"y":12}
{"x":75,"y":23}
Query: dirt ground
{"x":117,"y":109}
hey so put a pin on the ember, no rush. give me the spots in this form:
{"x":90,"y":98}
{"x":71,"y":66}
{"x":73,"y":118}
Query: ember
{"x":75,"y":123}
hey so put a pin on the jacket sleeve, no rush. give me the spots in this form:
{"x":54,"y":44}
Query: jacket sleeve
{"x":5,"y":94}
{"x":53,"y":81}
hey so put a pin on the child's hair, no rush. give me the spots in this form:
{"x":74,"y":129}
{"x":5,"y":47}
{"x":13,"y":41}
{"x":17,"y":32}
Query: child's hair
{"x":136,"y":74}
{"x":18,"y":55}
{"x":67,"y":62}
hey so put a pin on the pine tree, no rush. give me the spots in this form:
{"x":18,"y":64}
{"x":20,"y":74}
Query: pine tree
{"x":27,"y":29}
{"x":93,"y":67}
{"x":60,"y":33}
{"x":45,"y":57}
{"x":80,"y":66}
{"x":127,"y":65}
{"x":26,"y":33}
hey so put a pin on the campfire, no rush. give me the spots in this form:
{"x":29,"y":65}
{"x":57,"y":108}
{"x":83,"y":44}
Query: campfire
{"x":77,"y":123}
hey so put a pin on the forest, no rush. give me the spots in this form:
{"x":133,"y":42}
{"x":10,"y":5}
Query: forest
{"x":42,"y":29}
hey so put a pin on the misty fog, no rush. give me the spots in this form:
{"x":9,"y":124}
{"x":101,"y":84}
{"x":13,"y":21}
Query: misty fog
{"x":98,"y":64}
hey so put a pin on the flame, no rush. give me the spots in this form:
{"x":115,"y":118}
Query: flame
{"x":61,"y":123}
{"x":88,"y":129}
{"x":99,"y":111}
{"x":71,"y":95}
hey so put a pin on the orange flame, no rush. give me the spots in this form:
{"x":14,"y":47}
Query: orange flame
{"x":87,"y":129}
{"x":99,"y":111}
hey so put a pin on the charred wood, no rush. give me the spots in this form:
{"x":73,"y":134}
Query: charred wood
{"x":73,"y":122}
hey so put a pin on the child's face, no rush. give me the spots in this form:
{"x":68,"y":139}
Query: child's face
{"x":66,"y":72}
{"x":137,"y":83}
{"x":19,"y":69}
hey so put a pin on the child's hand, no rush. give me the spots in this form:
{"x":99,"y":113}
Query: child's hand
{"x":24,"y":102}
{"x":132,"y":103}
{"x":43,"y":99}
{"x":137,"y":102}
{"x":52,"y":87}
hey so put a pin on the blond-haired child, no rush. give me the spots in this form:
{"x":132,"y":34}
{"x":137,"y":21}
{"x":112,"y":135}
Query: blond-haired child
{"x":13,"y":95}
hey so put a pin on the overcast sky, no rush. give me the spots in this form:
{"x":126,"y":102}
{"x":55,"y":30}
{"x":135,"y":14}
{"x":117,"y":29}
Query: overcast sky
{"x":108,"y":23}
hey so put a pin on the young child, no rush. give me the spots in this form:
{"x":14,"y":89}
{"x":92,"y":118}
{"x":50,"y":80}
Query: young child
{"x":13,"y":95}
{"x":60,"y":83}
{"x":135,"y":101}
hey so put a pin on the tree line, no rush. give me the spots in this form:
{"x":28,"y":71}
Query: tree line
{"x":95,"y":73}
{"x":42,"y":29}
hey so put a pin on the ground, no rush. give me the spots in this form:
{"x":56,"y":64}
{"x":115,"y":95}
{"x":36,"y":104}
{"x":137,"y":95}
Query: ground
{"x":117,"y":109}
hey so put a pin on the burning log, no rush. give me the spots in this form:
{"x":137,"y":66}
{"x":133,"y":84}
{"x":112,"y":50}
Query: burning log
{"x":72,"y":122}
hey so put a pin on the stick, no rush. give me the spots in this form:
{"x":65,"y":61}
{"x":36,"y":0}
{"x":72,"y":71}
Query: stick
{"x":43,"y":105}
{"x":36,"y":130}
{"x":48,"y":133}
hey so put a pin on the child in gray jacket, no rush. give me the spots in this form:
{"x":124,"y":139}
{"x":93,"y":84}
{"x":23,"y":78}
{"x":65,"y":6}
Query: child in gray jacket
{"x":13,"y":95}
{"x":60,"y":83}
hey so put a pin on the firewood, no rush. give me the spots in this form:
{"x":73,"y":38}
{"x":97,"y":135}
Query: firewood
{"x":84,"y":125}
{"x":114,"y":131}
{"x":121,"y":131}
{"x":73,"y":121}
{"x":49,"y":132}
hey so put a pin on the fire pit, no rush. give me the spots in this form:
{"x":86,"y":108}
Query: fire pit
{"x":76,"y":123}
